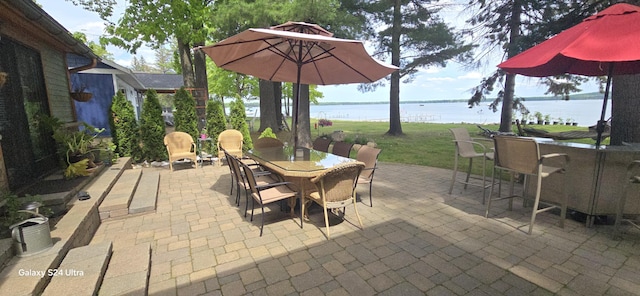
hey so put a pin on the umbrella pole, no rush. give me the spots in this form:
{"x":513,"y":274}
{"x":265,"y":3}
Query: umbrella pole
{"x":296,"y":103}
{"x":602,"y":122}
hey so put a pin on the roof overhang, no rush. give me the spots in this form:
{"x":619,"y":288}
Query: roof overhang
{"x":27,"y":17}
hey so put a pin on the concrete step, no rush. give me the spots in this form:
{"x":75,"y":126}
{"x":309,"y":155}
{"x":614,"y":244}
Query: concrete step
{"x":80,"y":272}
{"x":146,"y":194}
{"x":6,"y":251}
{"x":29,"y":275}
{"x":116,"y":203}
{"x":128,"y":272}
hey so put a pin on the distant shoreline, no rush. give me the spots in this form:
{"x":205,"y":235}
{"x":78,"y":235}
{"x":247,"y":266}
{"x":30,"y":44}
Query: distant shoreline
{"x":586,"y":96}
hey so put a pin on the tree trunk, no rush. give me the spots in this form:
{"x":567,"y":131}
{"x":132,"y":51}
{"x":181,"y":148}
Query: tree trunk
{"x":507,"y":103}
{"x":277,"y":93}
{"x":200,"y":66}
{"x":395,"y":128}
{"x":510,"y":79}
{"x":304,"y":122}
{"x":625,"y":107}
{"x":201,"y":94}
{"x":303,"y":129}
{"x":268,"y":115}
{"x":184,"y":51}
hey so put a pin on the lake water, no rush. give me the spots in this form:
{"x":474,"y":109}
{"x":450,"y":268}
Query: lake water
{"x":584,"y":112}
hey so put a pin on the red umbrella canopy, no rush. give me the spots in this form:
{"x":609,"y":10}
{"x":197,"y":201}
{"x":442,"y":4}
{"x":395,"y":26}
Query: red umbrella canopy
{"x":611,"y":36}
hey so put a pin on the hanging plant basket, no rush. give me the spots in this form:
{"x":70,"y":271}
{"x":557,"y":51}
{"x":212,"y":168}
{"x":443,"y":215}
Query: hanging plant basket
{"x":81,"y":96}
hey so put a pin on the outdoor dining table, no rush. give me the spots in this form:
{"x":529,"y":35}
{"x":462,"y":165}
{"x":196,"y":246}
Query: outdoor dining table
{"x":297,"y":166}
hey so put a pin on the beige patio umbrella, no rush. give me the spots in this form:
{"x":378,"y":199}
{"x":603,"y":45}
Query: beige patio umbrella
{"x":286,"y":56}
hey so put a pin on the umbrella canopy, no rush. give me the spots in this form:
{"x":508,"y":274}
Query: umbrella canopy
{"x":285,"y":54}
{"x":277,"y":55}
{"x":604,"y":44}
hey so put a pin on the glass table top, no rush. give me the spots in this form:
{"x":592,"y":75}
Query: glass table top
{"x":300,"y":160}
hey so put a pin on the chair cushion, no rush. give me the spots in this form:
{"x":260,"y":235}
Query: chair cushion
{"x":273,"y":194}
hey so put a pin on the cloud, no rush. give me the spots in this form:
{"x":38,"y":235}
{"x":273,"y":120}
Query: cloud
{"x":440,"y":79}
{"x":470,"y":75}
{"x":93,"y":30}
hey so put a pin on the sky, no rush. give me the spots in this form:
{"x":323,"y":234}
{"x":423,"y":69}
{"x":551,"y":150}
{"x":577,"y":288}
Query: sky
{"x":434,"y":83}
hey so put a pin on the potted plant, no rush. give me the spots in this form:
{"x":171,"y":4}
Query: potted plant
{"x":78,"y":148}
{"x":539,"y":117}
{"x":547,"y":119}
{"x":79,"y":94}
{"x":568,"y":121}
{"x":531,"y":117}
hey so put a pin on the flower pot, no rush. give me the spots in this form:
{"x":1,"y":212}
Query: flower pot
{"x":575,"y":124}
{"x":81,"y":96}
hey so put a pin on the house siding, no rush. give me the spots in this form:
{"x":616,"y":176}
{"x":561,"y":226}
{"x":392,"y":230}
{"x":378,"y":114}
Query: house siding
{"x":57,"y":85}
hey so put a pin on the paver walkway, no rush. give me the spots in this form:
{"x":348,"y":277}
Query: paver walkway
{"x":417,"y":240}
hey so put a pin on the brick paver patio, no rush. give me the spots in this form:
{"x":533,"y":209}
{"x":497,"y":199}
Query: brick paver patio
{"x":417,"y":240}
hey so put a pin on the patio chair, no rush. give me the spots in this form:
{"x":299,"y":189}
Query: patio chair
{"x":522,"y":156}
{"x":341,"y":148}
{"x":470,"y":148}
{"x":265,"y":194}
{"x":267,"y":143}
{"x":336,"y":188}
{"x":368,"y":156}
{"x":240,"y":181}
{"x":180,"y":145}
{"x":231,"y":141}
{"x":321,"y":144}
{"x":632,"y":178}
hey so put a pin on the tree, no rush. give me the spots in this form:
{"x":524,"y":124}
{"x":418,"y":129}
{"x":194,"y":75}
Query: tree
{"x":124,"y":127}
{"x":226,"y":84}
{"x":164,"y":59}
{"x":238,"y":121}
{"x":185,"y":117}
{"x":152,"y":128}
{"x":156,"y":22}
{"x":496,"y":23}
{"x":98,"y":49}
{"x":232,"y":17}
{"x":141,"y":65}
{"x":216,"y":122}
{"x":413,"y":36}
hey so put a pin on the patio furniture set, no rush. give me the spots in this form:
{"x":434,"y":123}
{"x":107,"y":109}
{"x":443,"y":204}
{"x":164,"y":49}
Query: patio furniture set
{"x":536,"y":159}
{"x":272,"y":172}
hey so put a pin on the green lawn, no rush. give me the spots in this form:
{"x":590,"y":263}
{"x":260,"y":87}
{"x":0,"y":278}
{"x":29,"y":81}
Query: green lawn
{"x":427,"y":144}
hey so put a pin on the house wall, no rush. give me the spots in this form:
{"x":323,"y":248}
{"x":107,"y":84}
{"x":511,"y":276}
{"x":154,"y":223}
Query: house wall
{"x":132,"y":95}
{"x":57,"y":85}
{"x":96,"y":111}
{"x":54,"y":68}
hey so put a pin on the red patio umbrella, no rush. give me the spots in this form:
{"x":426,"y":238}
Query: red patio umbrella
{"x":606,"y":43}
{"x":286,"y":55}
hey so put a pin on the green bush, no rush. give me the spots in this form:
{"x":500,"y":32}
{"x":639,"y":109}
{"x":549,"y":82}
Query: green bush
{"x":267,"y":133}
{"x":216,"y":123}
{"x":152,"y":129}
{"x":124,"y":127}
{"x":238,"y":121}
{"x":185,"y":117}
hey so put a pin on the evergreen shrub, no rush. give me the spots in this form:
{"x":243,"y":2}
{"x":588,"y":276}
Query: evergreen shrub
{"x":238,"y":121}
{"x":124,"y":127}
{"x":152,"y":129}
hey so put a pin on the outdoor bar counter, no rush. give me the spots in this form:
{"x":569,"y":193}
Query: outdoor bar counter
{"x":594,"y":178}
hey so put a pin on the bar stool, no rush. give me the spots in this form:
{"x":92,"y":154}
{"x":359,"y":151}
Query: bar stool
{"x":632,"y":178}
